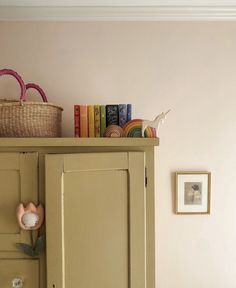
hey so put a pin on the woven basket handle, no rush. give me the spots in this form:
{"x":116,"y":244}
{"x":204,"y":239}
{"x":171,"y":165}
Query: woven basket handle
{"x":38,"y":88}
{"x":18,"y":78}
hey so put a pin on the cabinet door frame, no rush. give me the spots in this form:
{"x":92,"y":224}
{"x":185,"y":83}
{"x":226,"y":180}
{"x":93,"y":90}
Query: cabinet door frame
{"x":27,"y":166}
{"x":58,"y":164}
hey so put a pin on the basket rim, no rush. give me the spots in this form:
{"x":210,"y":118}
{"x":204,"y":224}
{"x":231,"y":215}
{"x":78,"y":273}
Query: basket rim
{"x":14,"y":102}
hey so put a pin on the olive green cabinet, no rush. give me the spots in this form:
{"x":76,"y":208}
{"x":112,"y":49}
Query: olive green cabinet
{"x":99,"y":201}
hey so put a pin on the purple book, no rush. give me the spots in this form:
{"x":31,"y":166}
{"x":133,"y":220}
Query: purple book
{"x":122,"y":114}
{"x":129,"y":112}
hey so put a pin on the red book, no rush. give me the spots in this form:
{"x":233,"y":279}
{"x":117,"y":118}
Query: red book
{"x":76,"y":121}
{"x":83,"y":112}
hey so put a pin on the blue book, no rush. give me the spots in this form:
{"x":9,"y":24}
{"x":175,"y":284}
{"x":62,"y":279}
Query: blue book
{"x":122,"y":114}
{"x":129,"y":112}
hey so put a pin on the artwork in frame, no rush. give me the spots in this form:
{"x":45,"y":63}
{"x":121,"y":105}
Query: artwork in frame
{"x":193,"y":193}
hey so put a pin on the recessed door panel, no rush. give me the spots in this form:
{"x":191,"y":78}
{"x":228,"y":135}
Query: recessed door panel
{"x":96,"y":229}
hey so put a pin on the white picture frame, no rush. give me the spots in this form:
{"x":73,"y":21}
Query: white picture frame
{"x":193,"y":193}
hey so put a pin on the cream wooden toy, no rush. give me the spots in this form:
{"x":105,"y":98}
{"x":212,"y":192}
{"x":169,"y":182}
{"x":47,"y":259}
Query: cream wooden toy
{"x":155,"y":123}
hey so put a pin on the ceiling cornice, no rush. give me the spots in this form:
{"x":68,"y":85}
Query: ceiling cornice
{"x":117,"y":13}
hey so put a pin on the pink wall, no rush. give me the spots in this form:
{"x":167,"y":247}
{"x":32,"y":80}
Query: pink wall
{"x":188,"y":67}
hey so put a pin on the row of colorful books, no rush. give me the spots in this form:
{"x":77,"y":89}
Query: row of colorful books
{"x":92,"y":120}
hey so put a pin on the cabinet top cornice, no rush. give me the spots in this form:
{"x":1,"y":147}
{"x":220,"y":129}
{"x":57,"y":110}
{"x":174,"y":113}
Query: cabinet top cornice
{"x":73,"y":142}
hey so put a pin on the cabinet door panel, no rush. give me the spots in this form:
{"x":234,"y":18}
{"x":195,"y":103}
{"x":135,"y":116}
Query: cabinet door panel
{"x":96,"y":220}
{"x":18,"y":178}
{"x":27,"y":270}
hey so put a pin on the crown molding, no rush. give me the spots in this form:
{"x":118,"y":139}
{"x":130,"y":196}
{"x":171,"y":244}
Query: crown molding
{"x":115,"y":3}
{"x":117,"y":13}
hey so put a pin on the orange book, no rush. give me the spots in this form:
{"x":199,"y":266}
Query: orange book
{"x":91,"y":120}
{"x":83,"y":120}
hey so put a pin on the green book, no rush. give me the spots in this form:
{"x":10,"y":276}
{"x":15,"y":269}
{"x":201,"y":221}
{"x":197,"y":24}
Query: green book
{"x":97,"y":120}
{"x":103,"y":119}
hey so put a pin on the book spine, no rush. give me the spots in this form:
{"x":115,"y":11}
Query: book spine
{"x":91,"y":120}
{"x":112,"y":115}
{"x":122,"y":114}
{"x":83,"y":121}
{"x":103,"y":119}
{"x":97,"y":120}
{"x":76,"y":121}
{"x":129,"y":112}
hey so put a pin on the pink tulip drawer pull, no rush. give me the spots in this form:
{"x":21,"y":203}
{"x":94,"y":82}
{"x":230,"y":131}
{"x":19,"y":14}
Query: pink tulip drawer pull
{"x":17,"y":283}
{"x":30,"y":218}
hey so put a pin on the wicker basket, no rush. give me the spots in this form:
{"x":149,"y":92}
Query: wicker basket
{"x":20,"y":118}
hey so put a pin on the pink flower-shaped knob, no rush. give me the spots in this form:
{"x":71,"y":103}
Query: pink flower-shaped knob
{"x":30,"y":217}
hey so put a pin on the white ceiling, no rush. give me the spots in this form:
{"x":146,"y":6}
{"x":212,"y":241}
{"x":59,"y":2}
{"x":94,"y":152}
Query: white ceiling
{"x":120,"y":10}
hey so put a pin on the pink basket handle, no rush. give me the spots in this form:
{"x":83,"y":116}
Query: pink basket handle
{"x":18,"y":78}
{"x":38,"y":88}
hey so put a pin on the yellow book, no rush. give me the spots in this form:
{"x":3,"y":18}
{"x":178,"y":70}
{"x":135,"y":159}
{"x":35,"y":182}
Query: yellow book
{"x":91,"y":120}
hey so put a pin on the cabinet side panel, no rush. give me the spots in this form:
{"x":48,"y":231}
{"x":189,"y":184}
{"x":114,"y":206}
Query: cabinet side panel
{"x":150,"y":216}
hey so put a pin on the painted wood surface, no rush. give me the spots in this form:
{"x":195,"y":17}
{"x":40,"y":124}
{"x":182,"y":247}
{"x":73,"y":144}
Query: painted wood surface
{"x":101,"y":220}
{"x":78,"y":142}
{"x":27,"y":270}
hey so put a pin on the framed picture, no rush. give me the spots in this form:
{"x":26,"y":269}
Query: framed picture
{"x":193,"y":193}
